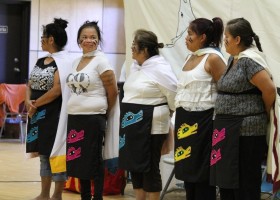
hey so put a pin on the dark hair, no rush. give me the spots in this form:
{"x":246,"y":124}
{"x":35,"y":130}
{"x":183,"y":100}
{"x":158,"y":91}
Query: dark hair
{"x":242,"y":28}
{"x":57,"y":31}
{"x":212,"y":29}
{"x":147,"y":39}
{"x":89,"y":24}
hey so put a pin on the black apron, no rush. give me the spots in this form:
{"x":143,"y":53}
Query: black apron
{"x":193,"y":132}
{"x":84,"y":141}
{"x":42,"y":127}
{"x":224,"y":161}
{"x":135,"y":136}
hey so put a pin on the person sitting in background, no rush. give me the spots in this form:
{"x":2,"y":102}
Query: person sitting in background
{"x":246,"y":95}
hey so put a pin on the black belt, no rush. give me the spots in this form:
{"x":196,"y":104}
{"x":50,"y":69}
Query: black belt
{"x":250,"y":91}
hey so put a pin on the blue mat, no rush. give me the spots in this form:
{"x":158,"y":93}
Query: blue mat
{"x":267,"y":188}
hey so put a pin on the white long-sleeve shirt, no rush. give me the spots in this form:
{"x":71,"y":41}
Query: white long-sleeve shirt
{"x":140,"y":88}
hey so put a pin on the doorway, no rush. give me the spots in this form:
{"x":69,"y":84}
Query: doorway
{"x":14,"y":41}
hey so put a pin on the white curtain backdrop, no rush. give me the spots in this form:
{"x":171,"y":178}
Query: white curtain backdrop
{"x":169,"y":19}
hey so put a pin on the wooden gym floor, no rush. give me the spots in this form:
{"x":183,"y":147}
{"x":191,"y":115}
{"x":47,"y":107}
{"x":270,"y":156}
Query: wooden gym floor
{"x":19,"y":177}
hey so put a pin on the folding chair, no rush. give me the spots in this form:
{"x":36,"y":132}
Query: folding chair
{"x":165,"y":189}
{"x":14,"y":119}
{"x":12,"y":108}
{"x":179,"y":186}
{"x":266,"y":188}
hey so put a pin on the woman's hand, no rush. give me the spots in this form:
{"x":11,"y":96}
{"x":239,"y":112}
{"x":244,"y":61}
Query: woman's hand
{"x":31,"y":108}
{"x":263,"y":82}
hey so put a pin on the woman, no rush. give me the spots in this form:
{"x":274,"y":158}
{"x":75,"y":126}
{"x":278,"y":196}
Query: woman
{"x":93,"y":94}
{"x":146,"y":108}
{"x":195,"y":100}
{"x":246,"y":95}
{"x":43,"y":102}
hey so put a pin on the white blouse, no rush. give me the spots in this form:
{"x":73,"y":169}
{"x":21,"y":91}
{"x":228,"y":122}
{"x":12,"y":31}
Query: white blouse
{"x":196,"y":89}
{"x":139,"y":88}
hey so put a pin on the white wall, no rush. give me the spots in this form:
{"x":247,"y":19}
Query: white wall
{"x":108,"y":13}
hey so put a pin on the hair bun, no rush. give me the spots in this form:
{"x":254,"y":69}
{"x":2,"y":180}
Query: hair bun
{"x":160,"y":45}
{"x":60,"y":22}
{"x":94,"y":23}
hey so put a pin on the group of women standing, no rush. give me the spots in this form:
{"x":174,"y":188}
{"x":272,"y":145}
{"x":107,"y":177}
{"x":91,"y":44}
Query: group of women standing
{"x":222,"y":110}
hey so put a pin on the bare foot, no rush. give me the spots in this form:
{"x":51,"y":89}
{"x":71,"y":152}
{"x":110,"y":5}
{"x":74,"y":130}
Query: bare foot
{"x":41,"y":198}
{"x":56,"y":198}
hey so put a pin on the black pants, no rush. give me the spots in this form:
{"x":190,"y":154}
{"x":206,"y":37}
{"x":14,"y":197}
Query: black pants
{"x":98,"y":177}
{"x":98,"y":182}
{"x":151,"y":180}
{"x":251,"y":155}
{"x":200,"y":191}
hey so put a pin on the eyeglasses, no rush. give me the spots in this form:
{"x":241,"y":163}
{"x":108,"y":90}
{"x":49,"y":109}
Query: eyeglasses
{"x":133,"y":45}
{"x":42,"y":37}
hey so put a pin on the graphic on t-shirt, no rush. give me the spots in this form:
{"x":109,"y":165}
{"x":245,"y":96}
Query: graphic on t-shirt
{"x":32,"y":135}
{"x":37,"y":116}
{"x":42,"y":79}
{"x":215,"y":156}
{"x":182,"y":153}
{"x":122,"y":141}
{"x":218,"y":136}
{"x":78,"y":83}
{"x":186,"y":130}
{"x":74,"y":136}
{"x":185,"y":15}
{"x":131,"y":118}
{"x":73,"y":153}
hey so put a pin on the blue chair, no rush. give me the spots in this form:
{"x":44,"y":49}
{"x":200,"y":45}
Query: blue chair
{"x":14,"y":119}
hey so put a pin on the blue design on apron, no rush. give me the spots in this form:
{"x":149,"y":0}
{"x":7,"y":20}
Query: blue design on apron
{"x":135,"y":136}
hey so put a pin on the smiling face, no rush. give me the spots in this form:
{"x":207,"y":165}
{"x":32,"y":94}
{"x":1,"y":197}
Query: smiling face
{"x":193,"y":40}
{"x":88,"y":39}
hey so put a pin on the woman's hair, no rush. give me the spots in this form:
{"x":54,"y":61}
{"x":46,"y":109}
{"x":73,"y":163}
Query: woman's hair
{"x":242,"y":28}
{"x":88,"y":24}
{"x":147,"y":39}
{"x":212,"y":29}
{"x":57,"y":31}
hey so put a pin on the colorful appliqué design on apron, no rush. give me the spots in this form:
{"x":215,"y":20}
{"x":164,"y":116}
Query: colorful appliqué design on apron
{"x":193,"y":131}
{"x":33,"y":131}
{"x":73,"y":137}
{"x":85,"y":134}
{"x":224,"y":160}
{"x":135,"y":136}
